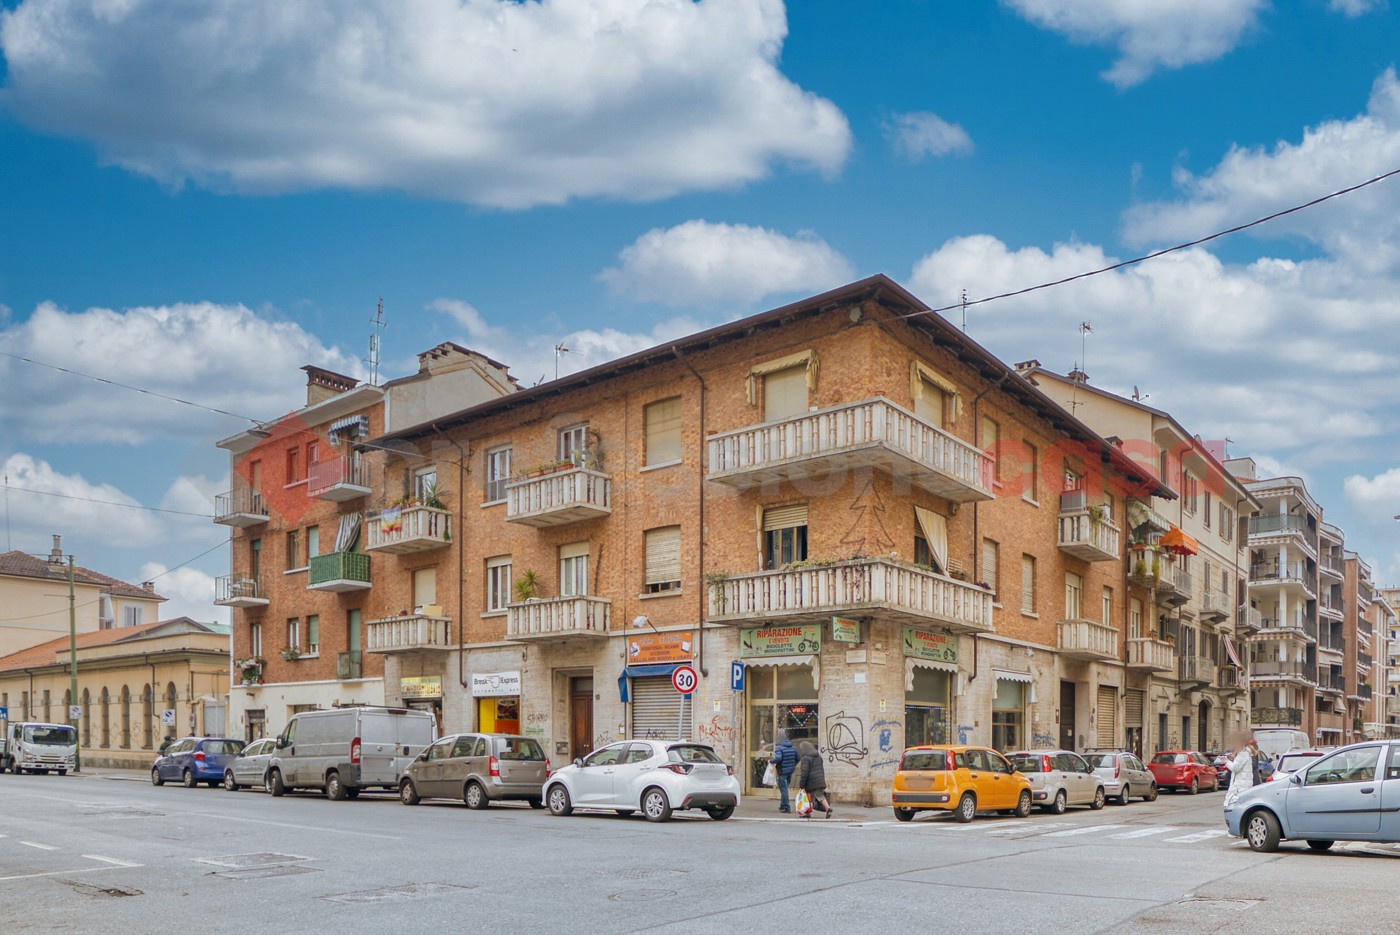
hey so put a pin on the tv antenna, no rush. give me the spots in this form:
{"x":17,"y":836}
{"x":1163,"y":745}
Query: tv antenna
{"x":378,"y":323}
{"x":963,"y":303}
{"x":559,"y":351}
{"x":1085,"y":329}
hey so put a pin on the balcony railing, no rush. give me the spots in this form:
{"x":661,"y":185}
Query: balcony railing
{"x":1295,"y":627}
{"x":1195,"y":669}
{"x":1151,"y":655}
{"x":399,"y":530}
{"x":1364,"y":692}
{"x":348,"y":665}
{"x":1328,"y":609}
{"x":1283,"y":573}
{"x":411,"y":633}
{"x":240,"y":590}
{"x":1392,"y":706}
{"x":1281,"y":669}
{"x":1332,"y":565}
{"x":243,"y":507}
{"x":869,"y":433}
{"x":1282,"y":717}
{"x":338,"y":479}
{"x":905,"y":592}
{"x":1087,"y":538}
{"x":1274,"y":523}
{"x":558,"y":617}
{"x":1215,"y":605}
{"x":1229,"y":677}
{"x":1250,"y":619}
{"x":1088,"y":639}
{"x":338,"y":571}
{"x":1329,"y":681}
{"x":559,"y":498}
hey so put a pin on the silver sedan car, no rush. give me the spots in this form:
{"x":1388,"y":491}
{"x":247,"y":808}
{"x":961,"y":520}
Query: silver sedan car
{"x":1059,"y":778}
{"x":249,"y":770}
{"x":1124,"y":776}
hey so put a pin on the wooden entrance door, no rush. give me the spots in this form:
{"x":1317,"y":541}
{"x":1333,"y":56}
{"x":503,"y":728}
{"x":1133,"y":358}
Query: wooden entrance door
{"x":1067,"y":715}
{"x":580,"y":717}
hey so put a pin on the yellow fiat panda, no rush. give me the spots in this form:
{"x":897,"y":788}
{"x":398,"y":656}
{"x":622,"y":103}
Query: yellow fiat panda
{"x":961,"y":779}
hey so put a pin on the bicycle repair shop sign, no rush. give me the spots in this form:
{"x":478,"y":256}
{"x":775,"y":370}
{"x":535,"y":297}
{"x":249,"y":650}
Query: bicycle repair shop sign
{"x":780,"y":641}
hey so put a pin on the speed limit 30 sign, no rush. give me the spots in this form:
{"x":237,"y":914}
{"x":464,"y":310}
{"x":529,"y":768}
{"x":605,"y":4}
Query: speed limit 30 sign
{"x":684,"y":679}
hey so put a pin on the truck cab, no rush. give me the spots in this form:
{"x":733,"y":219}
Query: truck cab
{"x":37,"y":747}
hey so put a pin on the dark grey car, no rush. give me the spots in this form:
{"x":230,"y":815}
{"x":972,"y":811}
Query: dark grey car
{"x":479,"y":769}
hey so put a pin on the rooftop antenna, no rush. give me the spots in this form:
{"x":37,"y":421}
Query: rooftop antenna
{"x":1225,"y":450}
{"x":559,"y":351}
{"x":378,"y":324}
{"x":7,"y":512}
{"x":964,"y":311}
{"x":1085,"y":329}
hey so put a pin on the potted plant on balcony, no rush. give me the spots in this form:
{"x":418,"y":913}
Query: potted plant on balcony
{"x":432,"y":499}
{"x":251,"y":669}
{"x":290,"y":653}
{"x":714,"y":580}
{"x":527,"y":587}
{"x":1097,"y":513}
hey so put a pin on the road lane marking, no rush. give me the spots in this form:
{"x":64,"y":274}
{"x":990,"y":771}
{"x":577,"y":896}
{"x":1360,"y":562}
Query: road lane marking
{"x":1198,"y":836}
{"x":110,"y":860}
{"x":42,"y":847}
{"x":59,"y":873}
{"x":1143,"y":832}
{"x":1086,"y":830}
{"x":1029,"y":828}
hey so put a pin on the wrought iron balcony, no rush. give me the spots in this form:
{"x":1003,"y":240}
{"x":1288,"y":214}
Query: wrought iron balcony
{"x":567,"y":496}
{"x":240,"y":508}
{"x":240,"y":590}
{"x":870,"y":433}
{"x":400,"y":530}
{"x":338,"y":571}
{"x":409,"y":633}
{"x":1151,"y":655}
{"x":1195,"y":670}
{"x":559,"y":618}
{"x":907,"y":593}
{"x":1088,"y":639}
{"x":1229,"y":678}
{"x":1087,"y":538}
{"x":338,"y":479}
{"x":1282,"y":717}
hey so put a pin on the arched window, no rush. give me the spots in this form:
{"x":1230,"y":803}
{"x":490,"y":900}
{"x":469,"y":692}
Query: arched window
{"x":147,"y":716}
{"x":126,"y":718}
{"x":106,"y":718}
{"x":87,"y":718}
{"x":172,"y":696}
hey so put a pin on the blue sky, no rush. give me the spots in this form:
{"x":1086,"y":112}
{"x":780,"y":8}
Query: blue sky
{"x":198,"y":199}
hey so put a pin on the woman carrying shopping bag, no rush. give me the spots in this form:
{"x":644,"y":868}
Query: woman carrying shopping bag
{"x":812,"y":778}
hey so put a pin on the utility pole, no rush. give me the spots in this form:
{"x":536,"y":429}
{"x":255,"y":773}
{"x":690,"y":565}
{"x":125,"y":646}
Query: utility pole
{"x":73,"y":668}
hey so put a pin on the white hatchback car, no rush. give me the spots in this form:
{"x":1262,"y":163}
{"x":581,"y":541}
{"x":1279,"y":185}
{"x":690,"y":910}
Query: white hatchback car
{"x":655,"y":776}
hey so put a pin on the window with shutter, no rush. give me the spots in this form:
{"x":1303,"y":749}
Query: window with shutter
{"x":991,"y":564}
{"x":1074,"y":596}
{"x":785,"y":394}
{"x":663,"y":428}
{"x":573,"y":569}
{"x":663,"y":559}
{"x":991,"y":443}
{"x":1108,"y":607}
{"x":498,"y":583}
{"x":1027,"y":584}
{"x":931,"y":404}
{"x":785,"y":535}
{"x":424,"y":588}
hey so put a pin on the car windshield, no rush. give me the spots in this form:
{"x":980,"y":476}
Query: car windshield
{"x":690,"y":753}
{"x":223,"y":746}
{"x":52,"y":736}
{"x":924,"y":759}
{"x":1291,"y":762}
{"x":519,"y":748}
{"x":1101,"y":760}
{"x":1172,"y":758}
{"x":1026,"y":762}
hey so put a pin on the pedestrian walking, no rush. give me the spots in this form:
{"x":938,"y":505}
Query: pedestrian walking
{"x":1244,"y":769}
{"x":784,"y":765}
{"x":811,"y":777}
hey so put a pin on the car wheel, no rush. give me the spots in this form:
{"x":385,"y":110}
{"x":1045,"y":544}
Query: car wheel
{"x":720,"y":812}
{"x":904,"y":814}
{"x":187,"y":780}
{"x":655,"y":806}
{"x":274,"y":784}
{"x":155,"y":777}
{"x":1261,"y":830}
{"x":1023,"y":804}
{"x":558,"y":800}
{"x":1098,"y":799}
{"x":1125,"y":795}
{"x":230,"y":783}
{"x":1151,"y":793}
{"x":475,"y":796}
{"x":1058,"y":806}
{"x":1195,"y":786}
{"x":967,"y":808}
{"x":1320,"y":846}
{"x":335,"y":789}
{"x":408,"y":793}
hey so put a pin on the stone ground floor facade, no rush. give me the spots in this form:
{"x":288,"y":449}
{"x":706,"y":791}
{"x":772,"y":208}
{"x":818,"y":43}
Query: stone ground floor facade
{"x":262,"y":710}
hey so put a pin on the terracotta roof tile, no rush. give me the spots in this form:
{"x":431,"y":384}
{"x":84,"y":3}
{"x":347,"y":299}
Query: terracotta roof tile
{"x":23,"y":565}
{"x":46,"y":654}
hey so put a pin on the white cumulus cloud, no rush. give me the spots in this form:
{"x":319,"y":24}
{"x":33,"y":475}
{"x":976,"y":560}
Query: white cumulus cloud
{"x":1354,"y":8}
{"x":1149,"y":34}
{"x":699,"y":263}
{"x":490,"y":102}
{"x":1379,"y":492}
{"x":188,"y":591}
{"x":44,"y":500}
{"x":916,"y":135}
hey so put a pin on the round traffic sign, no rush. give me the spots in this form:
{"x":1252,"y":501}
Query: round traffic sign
{"x":685,"y":679}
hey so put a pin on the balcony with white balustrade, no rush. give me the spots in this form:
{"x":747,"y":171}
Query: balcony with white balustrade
{"x":556,"y":499}
{"x":409,"y":633}
{"x":1151,"y":655}
{"x":401,"y":530}
{"x":577,"y":616}
{"x":1089,"y":640}
{"x":1088,"y":535}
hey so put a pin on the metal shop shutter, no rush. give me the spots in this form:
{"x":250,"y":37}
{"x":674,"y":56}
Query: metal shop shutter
{"x":1132,"y":708}
{"x":655,"y":708}
{"x":1107,"y":722}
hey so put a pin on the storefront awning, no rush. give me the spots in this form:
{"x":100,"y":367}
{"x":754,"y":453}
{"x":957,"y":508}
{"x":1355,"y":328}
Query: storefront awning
{"x":911,"y":663}
{"x":634,"y":672}
{"x":1179,"y":542}
{"x":806,"y":660}
{"x":1011,"y":675}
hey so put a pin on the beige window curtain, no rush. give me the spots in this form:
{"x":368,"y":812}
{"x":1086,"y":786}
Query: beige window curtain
{"x":804,"y":359}
{"x":922,"y":375}
{"x":663,"y":555}
{"x":935,"y":530}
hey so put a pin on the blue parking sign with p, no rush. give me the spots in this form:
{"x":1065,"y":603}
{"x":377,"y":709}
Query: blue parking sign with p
{"x":736,"y":676}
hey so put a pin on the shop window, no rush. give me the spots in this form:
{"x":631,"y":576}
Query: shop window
{"x":663,"y":559}
{"x":926,"y":707}
{"x":663,"y":432}
{"x":778,"y":698}
{"x":573,"y":570}
{"x":497,"y":473}
{"x":1009,"y":715}
{"x":498,"y":583}
{"x":784,"y":535}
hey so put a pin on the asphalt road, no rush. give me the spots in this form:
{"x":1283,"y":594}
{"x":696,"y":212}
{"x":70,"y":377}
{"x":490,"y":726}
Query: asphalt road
{"x":98,"y":854}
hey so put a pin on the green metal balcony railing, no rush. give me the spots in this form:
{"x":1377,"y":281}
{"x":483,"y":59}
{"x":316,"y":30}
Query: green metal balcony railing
{"x":338,"y":566}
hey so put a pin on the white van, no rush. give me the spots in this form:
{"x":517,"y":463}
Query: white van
{"x":1275,"y":741}
{"x":344,"y":750}
{"x":34,"y":746}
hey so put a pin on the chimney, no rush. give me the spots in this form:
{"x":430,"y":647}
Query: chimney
{"x":1078,"y":376}
{"x":1026,"y":365}
{"x":322,"y":384}
{"x":56,"y":559}
{"x":148,"y":586}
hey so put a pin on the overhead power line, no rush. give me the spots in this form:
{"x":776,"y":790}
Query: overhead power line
{"x":129,"y":506}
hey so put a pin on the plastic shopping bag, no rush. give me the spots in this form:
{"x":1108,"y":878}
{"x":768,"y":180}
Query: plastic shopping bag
{"x":770,"y":775}
{"x":803,"y":803}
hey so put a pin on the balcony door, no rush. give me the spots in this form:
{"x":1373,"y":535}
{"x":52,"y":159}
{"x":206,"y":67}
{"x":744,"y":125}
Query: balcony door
{"x":573,"y":570}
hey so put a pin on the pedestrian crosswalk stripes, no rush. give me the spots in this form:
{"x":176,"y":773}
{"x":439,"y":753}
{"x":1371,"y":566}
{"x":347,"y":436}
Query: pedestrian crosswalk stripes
{"x":1143,"y":832}
{"x":1198,"y":836}
{"x":1087,"y":829}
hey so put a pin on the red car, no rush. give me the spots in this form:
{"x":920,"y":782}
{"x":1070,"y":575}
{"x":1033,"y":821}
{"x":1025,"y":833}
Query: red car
{"x":1184,"y":769}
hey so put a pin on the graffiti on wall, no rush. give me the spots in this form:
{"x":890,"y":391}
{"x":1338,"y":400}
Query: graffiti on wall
{"x":1042,"y":740}
{"x":963,"y":731}
{"x":718,"y":731}
{"x":887,"y":742}
{"x":845,"y":739}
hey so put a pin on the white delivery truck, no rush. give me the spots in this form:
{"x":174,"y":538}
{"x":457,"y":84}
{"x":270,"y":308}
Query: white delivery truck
{"x":344,"y":750}
{"x":33,"y":746}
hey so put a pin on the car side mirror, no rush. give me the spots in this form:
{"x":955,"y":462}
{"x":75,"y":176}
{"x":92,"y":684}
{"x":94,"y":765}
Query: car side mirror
{"x":283,"y":743}
{"x":578,"y":762}
{"x":1296,"y":779}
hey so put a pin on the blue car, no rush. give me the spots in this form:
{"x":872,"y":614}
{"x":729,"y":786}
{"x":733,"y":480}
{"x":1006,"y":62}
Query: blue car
{"x":1350,"y":794}
{"x":194,"y":760}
